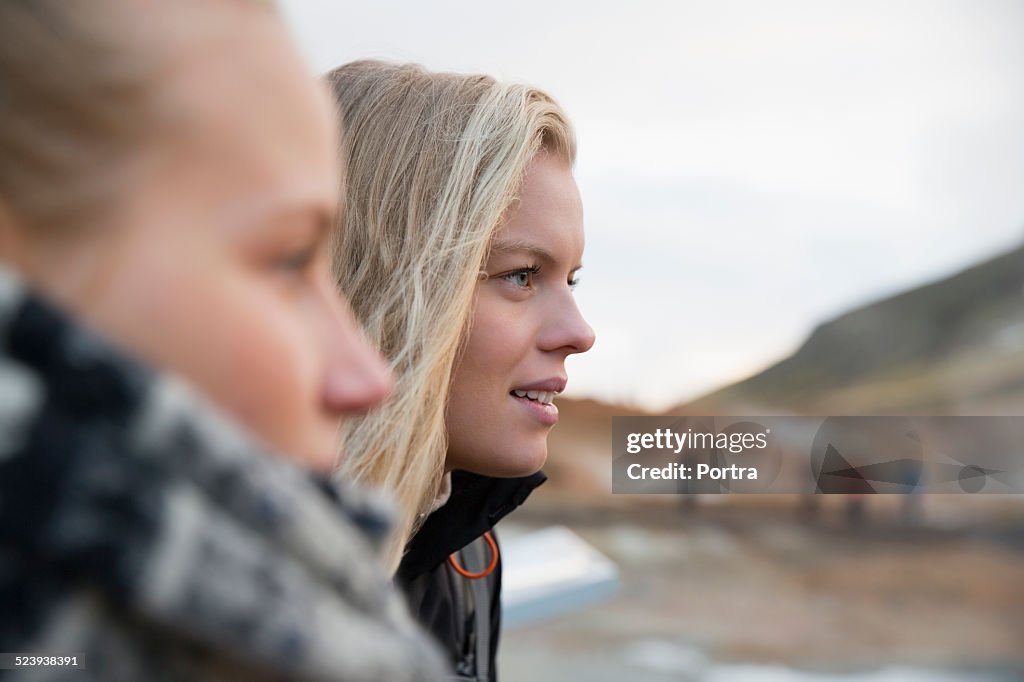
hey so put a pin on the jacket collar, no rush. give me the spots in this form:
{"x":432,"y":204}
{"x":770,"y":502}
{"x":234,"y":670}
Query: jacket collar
{"x":475,"y":505}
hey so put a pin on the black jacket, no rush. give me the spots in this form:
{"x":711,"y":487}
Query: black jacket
{"x":442,"y":600}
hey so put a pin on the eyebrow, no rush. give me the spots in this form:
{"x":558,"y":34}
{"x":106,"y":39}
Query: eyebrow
{"x":266,"y":215}
{"x":501,"y":246}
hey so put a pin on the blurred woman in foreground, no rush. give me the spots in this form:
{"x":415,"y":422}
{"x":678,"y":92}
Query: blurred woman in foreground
{"x":462,"y":239}
{"x":167,"y":183}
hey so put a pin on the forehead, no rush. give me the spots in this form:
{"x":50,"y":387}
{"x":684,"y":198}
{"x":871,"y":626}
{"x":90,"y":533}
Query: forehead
{"x":240,"y":98}
{"x":548,"y":213}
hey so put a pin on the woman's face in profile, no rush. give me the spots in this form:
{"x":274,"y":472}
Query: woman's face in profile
{"x":525,"y":324}
{"x":213,"y":264}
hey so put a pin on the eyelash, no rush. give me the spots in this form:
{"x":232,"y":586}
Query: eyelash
{"x":533,"y":270}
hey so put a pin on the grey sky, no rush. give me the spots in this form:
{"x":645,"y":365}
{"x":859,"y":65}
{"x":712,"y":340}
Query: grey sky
{"x":748,"y":169}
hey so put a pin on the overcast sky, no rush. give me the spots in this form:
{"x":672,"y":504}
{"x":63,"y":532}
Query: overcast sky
{"x":748,"y":169}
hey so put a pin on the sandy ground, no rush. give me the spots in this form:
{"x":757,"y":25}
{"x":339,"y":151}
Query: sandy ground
{"x":767,"y":595}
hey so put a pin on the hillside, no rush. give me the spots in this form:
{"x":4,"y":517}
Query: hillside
{"x":954,"y":346}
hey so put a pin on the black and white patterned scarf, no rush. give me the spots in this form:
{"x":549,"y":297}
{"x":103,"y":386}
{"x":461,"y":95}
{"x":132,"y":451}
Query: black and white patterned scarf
{"x":150,"y":537}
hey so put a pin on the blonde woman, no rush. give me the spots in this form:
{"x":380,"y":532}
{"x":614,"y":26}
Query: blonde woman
{"x":462,"y":241}
{"x":167,"y":325}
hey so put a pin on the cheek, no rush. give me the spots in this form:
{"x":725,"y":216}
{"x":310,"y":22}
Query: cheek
{"x":232,"y":336}
{"x":499,"y":341}
{"x":270,"y":370}
{"x":260,"y":364}
{"x":269,"y":373}
{"x":182,"y":294}
{"x":484,"y":368}
{"x":485,"y":427}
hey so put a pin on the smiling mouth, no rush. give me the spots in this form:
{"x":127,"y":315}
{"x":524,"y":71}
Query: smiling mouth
{"x":542,"y":397}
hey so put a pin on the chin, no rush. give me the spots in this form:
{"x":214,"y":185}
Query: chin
{"x":524,"y":461}
{"x":512,"y":455}
{"x":512,"y":462}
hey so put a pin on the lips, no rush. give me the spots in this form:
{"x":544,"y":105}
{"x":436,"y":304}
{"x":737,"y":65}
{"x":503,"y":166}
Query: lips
{"x":537,"y":398}
{"x":540,"y":391}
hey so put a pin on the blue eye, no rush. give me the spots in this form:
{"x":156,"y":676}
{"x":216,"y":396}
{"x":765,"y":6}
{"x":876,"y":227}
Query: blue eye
{"x":523,"y":277}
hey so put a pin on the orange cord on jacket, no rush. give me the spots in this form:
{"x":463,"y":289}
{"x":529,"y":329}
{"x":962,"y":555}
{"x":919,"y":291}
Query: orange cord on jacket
{"x":490,"y":567}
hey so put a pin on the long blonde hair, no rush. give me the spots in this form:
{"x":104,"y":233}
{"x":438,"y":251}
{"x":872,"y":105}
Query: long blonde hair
{"x":433,"y":162}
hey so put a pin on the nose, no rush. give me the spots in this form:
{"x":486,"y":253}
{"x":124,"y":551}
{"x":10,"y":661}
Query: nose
{"x":357,"y":377}
{"x":566,"y":330}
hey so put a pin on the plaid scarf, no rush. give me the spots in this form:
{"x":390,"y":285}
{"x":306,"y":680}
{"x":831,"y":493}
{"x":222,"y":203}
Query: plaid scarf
{"x":150,"y":537}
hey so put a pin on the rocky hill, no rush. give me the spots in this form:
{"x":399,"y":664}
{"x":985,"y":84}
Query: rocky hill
{"x":954,"y":346}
